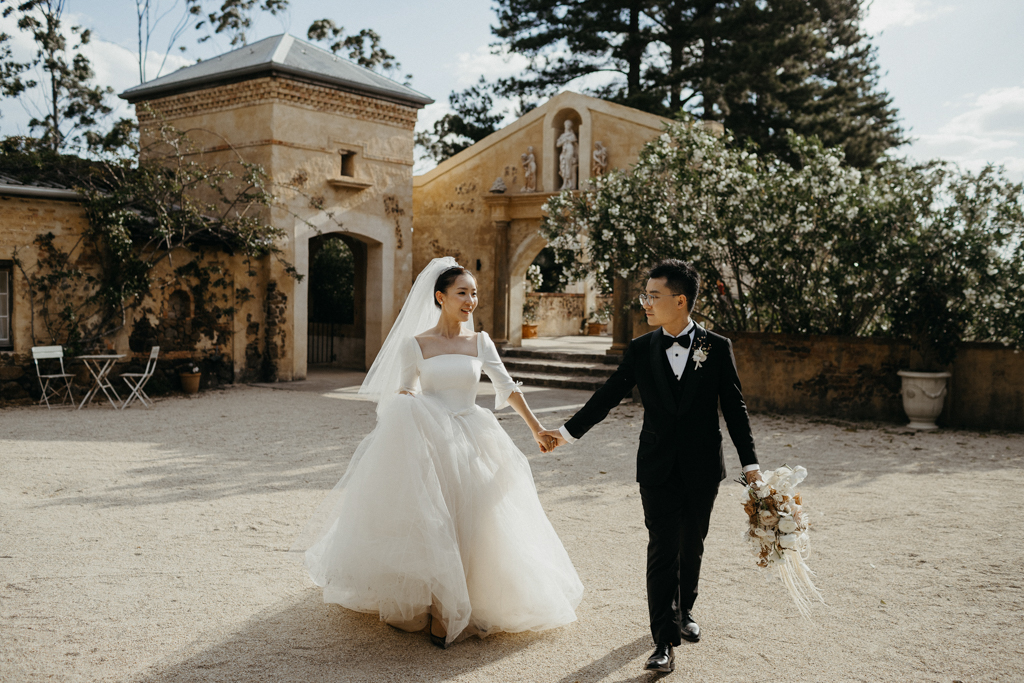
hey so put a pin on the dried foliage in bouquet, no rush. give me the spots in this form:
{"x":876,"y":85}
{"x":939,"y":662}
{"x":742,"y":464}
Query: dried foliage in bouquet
{"x":778,"y":532}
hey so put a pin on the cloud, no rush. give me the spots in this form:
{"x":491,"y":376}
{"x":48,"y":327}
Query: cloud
{"x":991,"y":130}
{"x":113,"y":64}
{"x":883,"y":14}
{"x":470,"y":66}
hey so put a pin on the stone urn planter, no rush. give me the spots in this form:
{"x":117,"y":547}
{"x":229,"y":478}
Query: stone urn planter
{"x":595,"y":329}
{"x":529,"y":331}
{"x":923,"y":396}
{"x":190,"y":381}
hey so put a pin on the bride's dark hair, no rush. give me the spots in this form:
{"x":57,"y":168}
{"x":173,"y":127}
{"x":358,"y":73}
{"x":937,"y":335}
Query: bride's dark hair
{"x":445,"y":280}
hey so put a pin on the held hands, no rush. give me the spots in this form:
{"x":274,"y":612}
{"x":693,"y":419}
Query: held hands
{"x":555,"y":436}
{"x":752,"y":476}
{"x":546,"y":443}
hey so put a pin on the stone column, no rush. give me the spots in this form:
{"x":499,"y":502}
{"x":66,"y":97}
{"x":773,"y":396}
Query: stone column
{"x":500,"y":224}
{"x":622,"y":325}
{"x":501,"y":282}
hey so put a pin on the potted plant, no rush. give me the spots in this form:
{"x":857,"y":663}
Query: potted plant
{"x":924,"y":315}
{"x":190,"y":377}
{"x":530,"y":317}
{"x":598,"y":320}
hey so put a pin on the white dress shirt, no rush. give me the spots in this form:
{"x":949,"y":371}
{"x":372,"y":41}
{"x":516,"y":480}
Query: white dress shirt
{"x":676,"y":354}
{"x":677,"y":357}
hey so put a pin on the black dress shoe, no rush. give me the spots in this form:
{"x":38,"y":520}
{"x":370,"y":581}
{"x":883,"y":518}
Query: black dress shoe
{"x":663,"y":659}
{"x":690,"y":631}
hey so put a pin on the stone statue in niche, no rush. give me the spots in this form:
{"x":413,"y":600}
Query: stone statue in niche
{"x":600,"y":159}
{"x":529,"y":170}
{"x":569,"y":159}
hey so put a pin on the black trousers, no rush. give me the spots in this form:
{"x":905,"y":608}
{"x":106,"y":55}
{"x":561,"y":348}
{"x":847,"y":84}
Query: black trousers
{"x":677,"y":524}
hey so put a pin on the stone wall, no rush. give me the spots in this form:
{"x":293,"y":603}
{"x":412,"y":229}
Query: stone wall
{"x":563,"y":315}
{"x":855,"y":378}
{"x":192,"y":320}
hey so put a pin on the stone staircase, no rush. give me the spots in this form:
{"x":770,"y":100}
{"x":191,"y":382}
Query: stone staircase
{"x":558,"y":368}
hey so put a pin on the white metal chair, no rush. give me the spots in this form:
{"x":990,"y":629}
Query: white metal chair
{"x":137,"y":380}
{"x":48,"y":353}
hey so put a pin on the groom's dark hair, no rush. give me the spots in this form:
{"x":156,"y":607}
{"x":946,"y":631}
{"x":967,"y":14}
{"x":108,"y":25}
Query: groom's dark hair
{"x":681,"y":276}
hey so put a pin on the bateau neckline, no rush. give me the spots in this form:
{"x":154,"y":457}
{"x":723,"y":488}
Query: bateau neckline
{"x":475,"y":356}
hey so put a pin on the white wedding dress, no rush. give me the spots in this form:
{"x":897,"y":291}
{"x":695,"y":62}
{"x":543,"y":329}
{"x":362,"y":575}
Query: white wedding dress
{"x":438,"y":512}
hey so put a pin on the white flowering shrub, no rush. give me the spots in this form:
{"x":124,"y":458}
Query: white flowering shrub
{"x":819,"y":248}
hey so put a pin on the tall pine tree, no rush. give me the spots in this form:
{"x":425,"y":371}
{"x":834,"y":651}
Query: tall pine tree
{"x":760,"y":67}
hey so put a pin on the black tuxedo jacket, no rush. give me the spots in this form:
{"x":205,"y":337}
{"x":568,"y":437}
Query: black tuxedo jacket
{"x":681,"y":440}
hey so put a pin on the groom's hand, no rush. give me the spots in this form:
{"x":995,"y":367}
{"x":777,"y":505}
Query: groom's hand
{"x":753,"y":475}
{"x":556,"y":436}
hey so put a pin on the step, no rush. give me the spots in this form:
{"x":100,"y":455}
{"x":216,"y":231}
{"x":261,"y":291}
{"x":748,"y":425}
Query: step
{"x":549,"y":367}
{"x":520,"y":352}
{"x":538,"y":379}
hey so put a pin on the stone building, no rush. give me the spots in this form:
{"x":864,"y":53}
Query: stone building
{"x":480,"y":207}
{"x":324,"y":129}
{"x":336,"y":141}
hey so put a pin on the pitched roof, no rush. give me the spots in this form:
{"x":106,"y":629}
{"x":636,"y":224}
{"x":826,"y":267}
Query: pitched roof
{"x":282,"y":55}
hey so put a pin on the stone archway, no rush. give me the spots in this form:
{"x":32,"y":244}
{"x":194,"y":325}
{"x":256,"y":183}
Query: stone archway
{"x":336,"y":305}
{"x":372,"y":299}
{"x":520,"y":258}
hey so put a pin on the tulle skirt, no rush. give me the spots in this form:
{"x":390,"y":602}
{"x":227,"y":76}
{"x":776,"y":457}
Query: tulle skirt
{"x":438,"y":513}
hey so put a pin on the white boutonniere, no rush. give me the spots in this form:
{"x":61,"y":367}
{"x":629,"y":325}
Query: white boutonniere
{"x":700,"y":354}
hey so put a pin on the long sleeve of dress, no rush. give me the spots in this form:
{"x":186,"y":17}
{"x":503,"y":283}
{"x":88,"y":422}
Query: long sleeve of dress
{"x":504,"y":385}
{"x":410,"y":376}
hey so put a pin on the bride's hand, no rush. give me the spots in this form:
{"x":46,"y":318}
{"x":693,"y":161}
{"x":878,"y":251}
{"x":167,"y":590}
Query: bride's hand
{"x":546,"y":443}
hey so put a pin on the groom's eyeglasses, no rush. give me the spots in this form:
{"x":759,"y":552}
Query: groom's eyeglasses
{"x":648,"y":299}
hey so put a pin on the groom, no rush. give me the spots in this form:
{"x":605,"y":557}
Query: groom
{"x":683,"y":373}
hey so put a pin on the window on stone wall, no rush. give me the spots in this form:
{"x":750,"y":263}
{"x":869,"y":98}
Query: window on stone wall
{"x":348,"y":163}
{"x":6,"y":282}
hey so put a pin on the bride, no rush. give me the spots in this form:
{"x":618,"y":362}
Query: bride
{"x":436,"y":523}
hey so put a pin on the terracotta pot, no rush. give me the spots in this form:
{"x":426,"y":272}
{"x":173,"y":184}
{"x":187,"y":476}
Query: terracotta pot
{"x":190,"y":381}
{"x":923,"y":396}
{"x":529,"y":331}
{"x":595,"y":329}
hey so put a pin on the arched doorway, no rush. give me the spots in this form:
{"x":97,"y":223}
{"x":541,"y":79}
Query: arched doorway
{"x":336,"y":301}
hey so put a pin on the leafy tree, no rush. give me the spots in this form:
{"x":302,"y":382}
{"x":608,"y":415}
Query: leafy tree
{"x":569,"y":39}
{"x":930,"y":253}
{"x":332,"y":284}
{"x":11,"y":82}
{"x":172,"y":207}
{"x":475,"y":117}
{"x":760,"y":67}
{"x":72,"y":104}
{"x":363,"y":48}
{"x":150,"y":15}
{"x":233,"y":17}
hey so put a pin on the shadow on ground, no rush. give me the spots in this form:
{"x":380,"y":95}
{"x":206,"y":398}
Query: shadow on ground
{"x":303,"y":640}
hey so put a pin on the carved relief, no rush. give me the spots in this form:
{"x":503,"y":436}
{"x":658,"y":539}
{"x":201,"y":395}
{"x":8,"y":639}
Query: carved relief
{"x":465,"y":188}
{"x":569,"y":158}
{"x":600,"y":159}
{"x":461,"y":207}
{"x":529,"y":171}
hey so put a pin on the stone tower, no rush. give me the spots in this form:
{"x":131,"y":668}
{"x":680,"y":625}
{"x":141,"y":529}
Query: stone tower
{"x":337,"y":142}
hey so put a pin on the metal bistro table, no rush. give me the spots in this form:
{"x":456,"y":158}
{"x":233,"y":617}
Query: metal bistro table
{"x":100,"y":365}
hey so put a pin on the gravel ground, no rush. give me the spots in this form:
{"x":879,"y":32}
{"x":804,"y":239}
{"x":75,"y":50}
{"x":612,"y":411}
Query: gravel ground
{"x":153,"y":546}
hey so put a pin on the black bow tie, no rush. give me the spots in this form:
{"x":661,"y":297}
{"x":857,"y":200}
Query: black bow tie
{"x":667,"y":341}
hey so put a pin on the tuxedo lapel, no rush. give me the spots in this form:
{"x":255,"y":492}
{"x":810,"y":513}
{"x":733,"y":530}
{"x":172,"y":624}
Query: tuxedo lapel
{"x":691,"y":376}
{"x":660,"y":370}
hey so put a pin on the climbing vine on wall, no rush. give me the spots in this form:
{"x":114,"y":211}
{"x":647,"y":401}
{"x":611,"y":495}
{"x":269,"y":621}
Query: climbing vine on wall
{"x":168,"y":203}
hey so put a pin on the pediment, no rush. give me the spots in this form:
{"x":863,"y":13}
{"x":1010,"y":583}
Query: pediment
{"x":621,"y":131}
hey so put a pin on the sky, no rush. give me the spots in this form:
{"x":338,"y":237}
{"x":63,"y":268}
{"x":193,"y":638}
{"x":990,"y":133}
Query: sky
{"x":954,"y":68}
